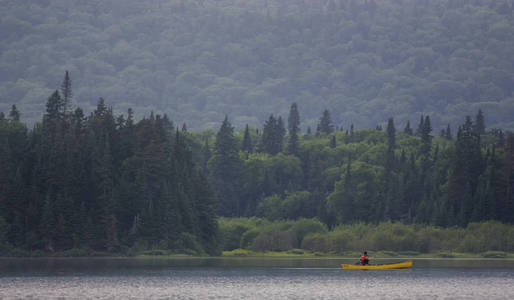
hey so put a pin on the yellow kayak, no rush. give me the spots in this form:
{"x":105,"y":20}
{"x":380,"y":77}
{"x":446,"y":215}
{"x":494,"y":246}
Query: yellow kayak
{"x":398,"y":265}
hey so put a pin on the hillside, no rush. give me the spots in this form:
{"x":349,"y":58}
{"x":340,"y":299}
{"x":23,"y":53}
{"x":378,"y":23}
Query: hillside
{"x":199,"y":60}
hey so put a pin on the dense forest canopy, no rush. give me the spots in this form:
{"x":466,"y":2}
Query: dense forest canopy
{"x":364,"y":60}
{"x":101,"y":182}
{"x":105,"y":182}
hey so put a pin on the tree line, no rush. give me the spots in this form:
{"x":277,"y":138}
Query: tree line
{"x":108,"y":183}
{"x":371,"y":175}
{"x":101,"y":182}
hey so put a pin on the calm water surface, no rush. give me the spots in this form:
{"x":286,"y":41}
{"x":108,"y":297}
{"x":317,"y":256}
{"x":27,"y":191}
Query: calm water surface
{"x":222,"y":278}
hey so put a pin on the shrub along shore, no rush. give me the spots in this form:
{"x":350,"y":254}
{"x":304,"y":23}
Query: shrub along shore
{"x":309,"y":238}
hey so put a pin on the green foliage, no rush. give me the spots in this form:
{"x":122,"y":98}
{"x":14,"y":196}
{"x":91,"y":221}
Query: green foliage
{"x":225,"y":169}
{"x":363,"y":60}
{"x":389,"y":238}
{"x":101,"y":183}
{"x":303,"y":227}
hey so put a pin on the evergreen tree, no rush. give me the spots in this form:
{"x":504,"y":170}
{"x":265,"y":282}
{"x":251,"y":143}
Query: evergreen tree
{"x":391,"y":135}
{"x":273,"y":134}
{"x":426,"y":138}
{"x":14,"y":114}
{"x":293,"y":121}
{"x":408,"y":129}
{"x":53,"y":107}
{"x":466,"y":172}
{"x":333,"y":142}
{"x":325,"y":123}
{"x":66,"y":92}
{"x":225,"y":169}
{"x":247,"y":141}
{"x":206,"y":155}
{"x":448,"y":133}
{"x":479,"y":126}
{"x":421,"y":126}
{"x":292,"y":144}
{"x":293,"y":127}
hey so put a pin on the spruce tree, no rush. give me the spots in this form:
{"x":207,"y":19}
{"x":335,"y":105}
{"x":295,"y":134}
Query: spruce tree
{"x":426,"y":138}
{"x":14,"y":114}
{"x":391,"y":135}
{"x":66,"y":92}
{"x":421,"y":126}
{"x":448,"y":133}
{"x":273,"y":134}
{"x":408,"y":129}
{"x":293,"y":121}
{"x":325,"y":123}
{"x":225,"y":169}
{"x":479,"y":126}
{"x":247,"y":141}
{"x":333,"y":142}
{"x":293,"y":127}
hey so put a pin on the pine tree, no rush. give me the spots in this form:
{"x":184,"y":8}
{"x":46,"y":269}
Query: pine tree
{"x":293,"y":127}
{"x":391,"y":135}
{"x":479,"y":126}
{"x":206,"y":155}
{"x":448,"y":133}
{"x":293,"y":121}
{"x":333,"y":142}
{"x":273,"y":134}
{"x":14,"y":114}
{"x":421,"y":126}
{"x":247,"y":141}
{"x":66,"y":92}
{"x":325,"y":123}
{"x":224,"y":169}
{"x":53,"y":107}
{"x":468,"y":167}
{"x":426,"y":138}
{"x":292,"y":144}
{"x":408,"y":129}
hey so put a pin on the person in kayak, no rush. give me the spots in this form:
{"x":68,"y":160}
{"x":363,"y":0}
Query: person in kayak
{"x":365,"y":258}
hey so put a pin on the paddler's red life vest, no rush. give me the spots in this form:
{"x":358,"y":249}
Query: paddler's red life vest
{"x":364,"y":260}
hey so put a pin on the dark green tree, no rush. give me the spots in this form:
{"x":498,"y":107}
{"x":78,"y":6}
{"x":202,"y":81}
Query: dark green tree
{"x":325,"y":123}
{"x":14,"y":114}
{"x":408,"y":129}
{"x":421,"y":126}
{"x":225,"y":169}
{"x":66,"y":92}
{"x":273,"y":134}
{"x":479,"y":126}
{"x":247,"y":141}
{"x":293,"y":127}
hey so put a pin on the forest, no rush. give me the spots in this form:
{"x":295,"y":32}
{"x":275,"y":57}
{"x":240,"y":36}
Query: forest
{"x":199,"y":60}
{"x":109,"y":183}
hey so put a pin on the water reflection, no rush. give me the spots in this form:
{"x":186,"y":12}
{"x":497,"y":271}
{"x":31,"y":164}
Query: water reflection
{"x":250,"y":278}
{"x":41,"y":266}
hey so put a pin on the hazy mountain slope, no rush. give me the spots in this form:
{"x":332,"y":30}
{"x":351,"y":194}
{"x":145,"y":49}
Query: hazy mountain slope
{"x":199,"y":60}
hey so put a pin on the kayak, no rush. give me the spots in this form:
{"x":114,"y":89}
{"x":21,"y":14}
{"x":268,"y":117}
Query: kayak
{"x":398,"y":265}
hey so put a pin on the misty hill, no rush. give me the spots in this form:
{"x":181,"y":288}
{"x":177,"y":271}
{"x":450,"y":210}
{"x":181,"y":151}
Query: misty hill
{"x":199,"y":60}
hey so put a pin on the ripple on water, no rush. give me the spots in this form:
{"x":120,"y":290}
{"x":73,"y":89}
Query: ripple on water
{"x":267,"y":283}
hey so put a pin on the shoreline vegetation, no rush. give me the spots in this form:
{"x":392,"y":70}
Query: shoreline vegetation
{"x":310,"y":238}
{"x":106,"y":185}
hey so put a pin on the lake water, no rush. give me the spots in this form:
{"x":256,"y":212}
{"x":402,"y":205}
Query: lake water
{"x":250,"y":278}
